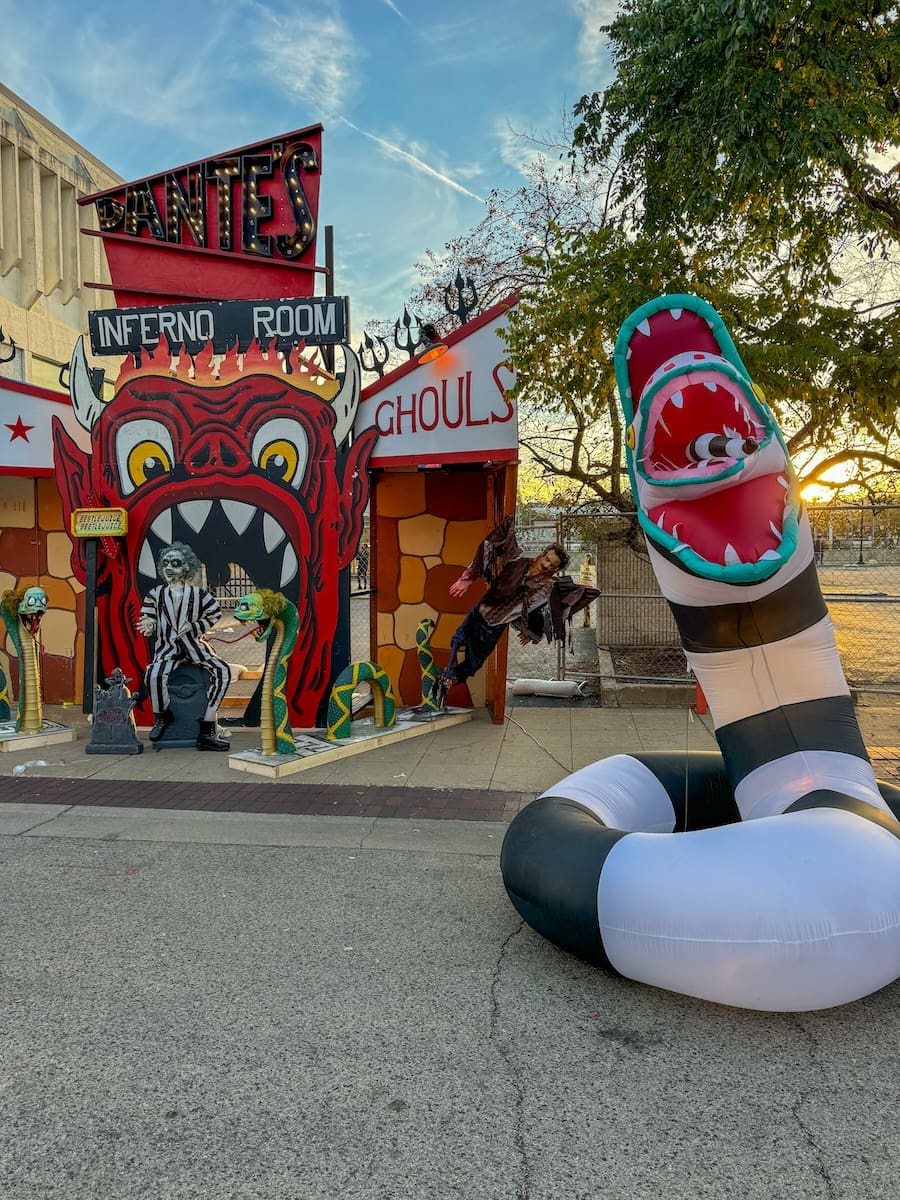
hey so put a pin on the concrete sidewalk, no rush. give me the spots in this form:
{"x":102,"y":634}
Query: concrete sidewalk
{"x":535,"y":747}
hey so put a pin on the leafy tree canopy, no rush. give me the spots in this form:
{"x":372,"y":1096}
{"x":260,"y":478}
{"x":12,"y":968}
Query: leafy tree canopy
{"x":831,"y":375}
{"x":764,"y":120}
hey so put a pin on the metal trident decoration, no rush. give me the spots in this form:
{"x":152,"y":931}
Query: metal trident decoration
{"x":466,"y":297}
{"x":4,"y":357}
{"x":374,"y":354}
{"x":460,"y":301}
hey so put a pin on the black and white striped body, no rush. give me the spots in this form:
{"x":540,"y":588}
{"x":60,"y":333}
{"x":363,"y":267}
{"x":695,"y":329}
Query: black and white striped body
{"x":768,"y":877}
{"x":182,"y":616}
{"x":766,"y":659}
{"x":784,"y":913}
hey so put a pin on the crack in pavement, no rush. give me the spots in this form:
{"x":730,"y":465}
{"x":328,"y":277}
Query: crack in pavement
{"x":47,"y":821}
{"x":524,"y":1189}
{"x":818,"y":1154}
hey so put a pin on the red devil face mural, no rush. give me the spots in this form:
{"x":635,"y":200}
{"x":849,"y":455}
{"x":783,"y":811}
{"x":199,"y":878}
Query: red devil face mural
{"x":245,"y":466}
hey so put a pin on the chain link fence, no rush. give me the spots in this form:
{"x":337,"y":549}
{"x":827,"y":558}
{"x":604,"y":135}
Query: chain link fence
{"x":858,"y":553}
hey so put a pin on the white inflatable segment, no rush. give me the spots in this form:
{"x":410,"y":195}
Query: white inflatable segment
{"x":622,"y":793}
{"x":741,"y":683}
{"x":775,"y":786}
{"x":784,"y":914}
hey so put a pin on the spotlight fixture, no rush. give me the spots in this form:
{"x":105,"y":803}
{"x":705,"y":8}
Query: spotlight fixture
{"x":432,"y":346}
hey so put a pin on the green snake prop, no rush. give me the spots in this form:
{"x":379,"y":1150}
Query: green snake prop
{"x":340,"y":704}
{"x":273,"y":613}
{"x":21,"y":613}
{"x":427,"y":664}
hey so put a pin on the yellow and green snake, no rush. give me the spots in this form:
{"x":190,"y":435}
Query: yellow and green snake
{"x":21,"y":612}
{"x":340,"y":704}
{"x":427,"y":664}
{"x":273,"y":612}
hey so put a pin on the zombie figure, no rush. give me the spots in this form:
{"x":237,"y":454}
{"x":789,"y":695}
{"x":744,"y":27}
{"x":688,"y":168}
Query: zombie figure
{"x":525,"y":593}
{"x":177,"y":614}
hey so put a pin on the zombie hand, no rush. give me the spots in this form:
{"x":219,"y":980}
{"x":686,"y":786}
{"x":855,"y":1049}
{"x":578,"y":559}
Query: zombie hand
{"x":460,"y":586}
{"x":146,"y":626}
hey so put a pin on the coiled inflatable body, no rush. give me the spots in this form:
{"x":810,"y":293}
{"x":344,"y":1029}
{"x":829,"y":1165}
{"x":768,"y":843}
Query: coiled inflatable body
{"x":767,"y":877}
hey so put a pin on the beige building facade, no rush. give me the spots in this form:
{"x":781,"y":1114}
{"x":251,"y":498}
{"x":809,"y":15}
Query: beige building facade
{"x":45,"y":263}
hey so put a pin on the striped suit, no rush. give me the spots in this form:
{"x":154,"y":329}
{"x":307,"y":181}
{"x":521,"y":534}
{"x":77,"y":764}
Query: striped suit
{"x":181,"y":620}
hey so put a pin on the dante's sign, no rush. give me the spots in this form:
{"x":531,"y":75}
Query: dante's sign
{"x":239,"y":223}
{"x":258,"y":201}
{"x":314,"y":320}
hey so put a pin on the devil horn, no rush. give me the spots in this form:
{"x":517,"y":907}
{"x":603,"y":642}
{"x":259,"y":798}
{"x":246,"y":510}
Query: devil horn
{"x":346,"y":400}
{"x":86,"y":404}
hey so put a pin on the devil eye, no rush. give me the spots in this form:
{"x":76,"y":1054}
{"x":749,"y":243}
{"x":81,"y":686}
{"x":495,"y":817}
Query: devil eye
{"x":143,"y":453}
{"x":281,"y":451}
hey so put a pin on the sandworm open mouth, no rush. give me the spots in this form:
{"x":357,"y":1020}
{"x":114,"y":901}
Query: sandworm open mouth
{"x":711,"y":475}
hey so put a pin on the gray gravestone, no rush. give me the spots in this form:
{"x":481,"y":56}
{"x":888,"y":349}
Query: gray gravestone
{"x":187,"y":704}
{"x":112,"y":728}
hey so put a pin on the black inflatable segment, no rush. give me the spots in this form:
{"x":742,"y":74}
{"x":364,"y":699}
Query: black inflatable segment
{"x":551,"y":860}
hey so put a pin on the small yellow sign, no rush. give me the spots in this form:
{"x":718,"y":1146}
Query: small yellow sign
{"x":99,"y":522}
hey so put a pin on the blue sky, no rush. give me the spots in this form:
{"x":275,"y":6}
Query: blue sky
{"x":421,"y":101}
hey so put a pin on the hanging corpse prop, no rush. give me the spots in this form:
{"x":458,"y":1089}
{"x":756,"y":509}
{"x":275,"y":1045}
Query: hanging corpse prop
{"x":776,"y":885}
{"x":241,"y":454}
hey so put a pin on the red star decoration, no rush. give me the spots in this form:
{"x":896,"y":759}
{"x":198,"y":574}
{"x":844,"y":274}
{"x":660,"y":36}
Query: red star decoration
{"x":19,"y":430}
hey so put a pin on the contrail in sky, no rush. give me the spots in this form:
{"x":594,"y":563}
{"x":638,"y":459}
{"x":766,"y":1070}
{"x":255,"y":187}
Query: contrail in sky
{"x":416,"y":162}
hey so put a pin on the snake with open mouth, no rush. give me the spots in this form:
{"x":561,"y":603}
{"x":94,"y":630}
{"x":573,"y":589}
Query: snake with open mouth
{"x":22,"y":612}
{"x":273,"y":614}
{"x":776,"y":883}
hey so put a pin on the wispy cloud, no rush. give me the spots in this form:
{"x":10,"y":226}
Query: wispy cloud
{"x":394,"y":9}
{"x":487,"y":36}
{"x":592,"y":44}
{"x":316,"y":69}
{"x":515,"y":149}
{"x":416,"y":163}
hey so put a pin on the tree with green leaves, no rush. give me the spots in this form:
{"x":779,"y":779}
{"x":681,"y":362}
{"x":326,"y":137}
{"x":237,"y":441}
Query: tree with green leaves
{"x":673,"y":213}
{"x":831,"y":374}
{"x":761,"y":123}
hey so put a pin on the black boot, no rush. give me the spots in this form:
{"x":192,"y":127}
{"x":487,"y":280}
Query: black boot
{"x":207,"y":739}
{"x":161,"y":721}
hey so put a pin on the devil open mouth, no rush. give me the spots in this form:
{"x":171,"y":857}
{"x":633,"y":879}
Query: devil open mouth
{"x":234,"y":533}
{"x":712,"y":478}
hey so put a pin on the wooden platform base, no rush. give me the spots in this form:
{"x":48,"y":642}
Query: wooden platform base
{"x":314,"y":749}
{"x":50,"y":735}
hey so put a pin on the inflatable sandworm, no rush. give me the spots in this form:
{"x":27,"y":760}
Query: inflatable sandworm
{"x":767,"y":876}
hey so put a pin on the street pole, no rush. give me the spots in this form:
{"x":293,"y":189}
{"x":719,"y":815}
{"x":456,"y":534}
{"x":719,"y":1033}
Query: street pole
{"x":862,"y":513}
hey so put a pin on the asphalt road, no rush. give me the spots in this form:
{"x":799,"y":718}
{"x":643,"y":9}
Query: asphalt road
{"x":189,"y":1013}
